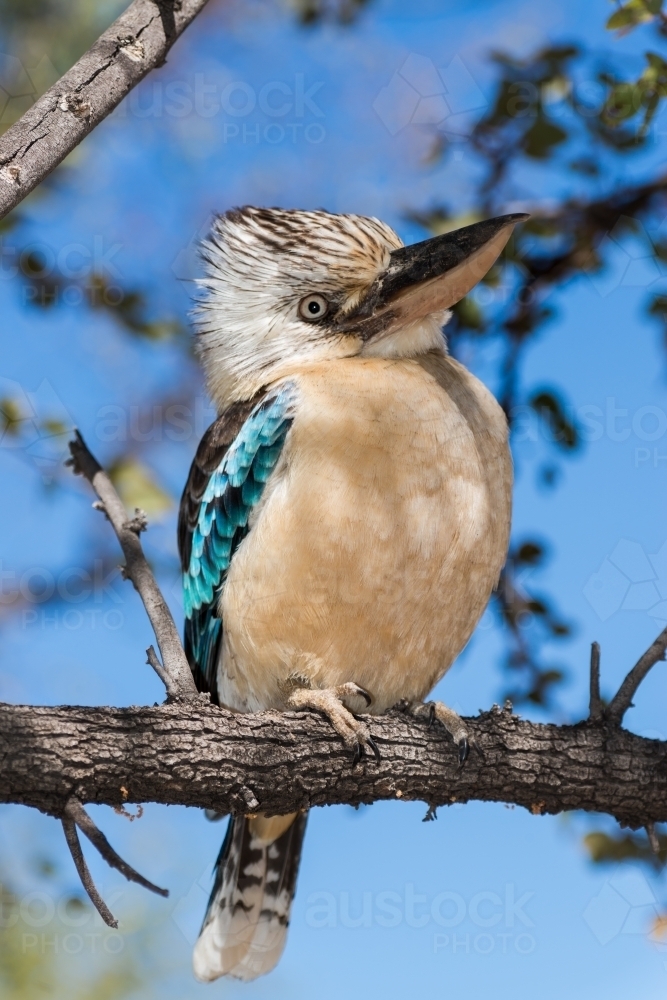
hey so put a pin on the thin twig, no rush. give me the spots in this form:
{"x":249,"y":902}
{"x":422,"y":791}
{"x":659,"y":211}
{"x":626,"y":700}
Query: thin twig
{"x":176,"y":672}
{"x":622,"y":700}
{"x":77,"y":814}
{"x":72,"y":838}
{"x":136,"y":42}
{"x":596,"y":708}
{"x":153,"y":661}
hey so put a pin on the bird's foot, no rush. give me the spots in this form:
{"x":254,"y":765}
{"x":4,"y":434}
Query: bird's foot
{"x":338,"y":704}
{"x":453,"y":723}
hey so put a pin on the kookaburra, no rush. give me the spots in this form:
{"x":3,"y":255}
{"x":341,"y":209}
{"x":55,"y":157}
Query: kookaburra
{"x":346,"y":516}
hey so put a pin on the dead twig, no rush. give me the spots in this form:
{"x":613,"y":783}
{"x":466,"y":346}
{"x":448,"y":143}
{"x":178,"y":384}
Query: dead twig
{"x":174,"y":671}
{"x":596,"y":707}
{"x":75,"y":813}
{"x":622,"y":700}
{"x":72,"y":838}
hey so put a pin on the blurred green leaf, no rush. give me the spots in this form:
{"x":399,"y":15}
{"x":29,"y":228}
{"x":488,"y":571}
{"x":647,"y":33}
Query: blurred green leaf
{"x":11,"y":416}
{"x":137,"y":487}
{"x":605,"y":848}
{"x":633,"y":13}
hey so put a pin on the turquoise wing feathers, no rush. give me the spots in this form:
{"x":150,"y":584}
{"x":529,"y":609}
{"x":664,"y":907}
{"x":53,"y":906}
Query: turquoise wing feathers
{"x":226,"y":482}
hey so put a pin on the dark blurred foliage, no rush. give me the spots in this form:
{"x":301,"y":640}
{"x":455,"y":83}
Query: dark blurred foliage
{"x":530,"y":621}
{"x":558,"y":121}
{"x":314,"y":12}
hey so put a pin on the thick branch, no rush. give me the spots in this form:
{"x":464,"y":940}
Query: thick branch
{"x":174,"y":667}
{"x":136,"y":42}
{"x":195,"y":754}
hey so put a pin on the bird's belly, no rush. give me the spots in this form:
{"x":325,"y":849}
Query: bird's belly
{"x":371,"y":560}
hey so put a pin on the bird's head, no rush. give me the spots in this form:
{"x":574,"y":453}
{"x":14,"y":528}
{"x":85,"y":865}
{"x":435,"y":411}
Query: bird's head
{"x":287,"y":288}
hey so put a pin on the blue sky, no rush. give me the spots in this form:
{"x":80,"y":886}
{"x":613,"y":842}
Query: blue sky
{"x":138,"y":192}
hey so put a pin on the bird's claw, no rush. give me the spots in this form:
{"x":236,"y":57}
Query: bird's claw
{"x":374,"y":747}
{"x":360,"y":749}
{"x":363,"y":693}
{"x":464,"y":750}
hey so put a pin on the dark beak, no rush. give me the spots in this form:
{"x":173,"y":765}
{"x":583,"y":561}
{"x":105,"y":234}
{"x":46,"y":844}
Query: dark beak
{"x":429,"y":277}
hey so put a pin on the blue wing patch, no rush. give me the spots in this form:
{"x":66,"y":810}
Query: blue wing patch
{"x":233,"y":489}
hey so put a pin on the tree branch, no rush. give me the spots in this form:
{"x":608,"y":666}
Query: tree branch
{"x":72,"y":838}
{"x":136,"y":42}
{"x":75,"y":812}
{"x":622,"y":700}
{"x":174,"y":669}
{"x":195,"y":754}
{"x":596,"y":707}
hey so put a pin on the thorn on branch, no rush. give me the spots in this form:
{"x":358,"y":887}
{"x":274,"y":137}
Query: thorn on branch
{"x":653,"y":838}
{"x":75,"y":813}
{"x":72,"y":838}
{"x":596,"y":708}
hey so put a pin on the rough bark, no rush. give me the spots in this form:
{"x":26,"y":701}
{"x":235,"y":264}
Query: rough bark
{"x":136,"y":42}
{"x":195,"y":754}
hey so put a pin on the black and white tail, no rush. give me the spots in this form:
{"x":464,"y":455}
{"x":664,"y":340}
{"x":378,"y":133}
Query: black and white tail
{"x":245,"y":926}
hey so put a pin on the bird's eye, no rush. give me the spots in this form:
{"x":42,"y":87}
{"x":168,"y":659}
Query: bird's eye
{"x":313,"y":307}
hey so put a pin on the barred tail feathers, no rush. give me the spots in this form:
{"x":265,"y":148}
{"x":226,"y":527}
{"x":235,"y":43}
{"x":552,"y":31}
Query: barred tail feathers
{"x":245,"y":927}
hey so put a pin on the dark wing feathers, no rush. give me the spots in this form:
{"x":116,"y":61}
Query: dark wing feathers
{"x":233,"y":462}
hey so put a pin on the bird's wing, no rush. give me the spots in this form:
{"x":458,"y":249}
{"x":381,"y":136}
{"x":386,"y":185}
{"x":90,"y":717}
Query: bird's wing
{"x":234,"y":460}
